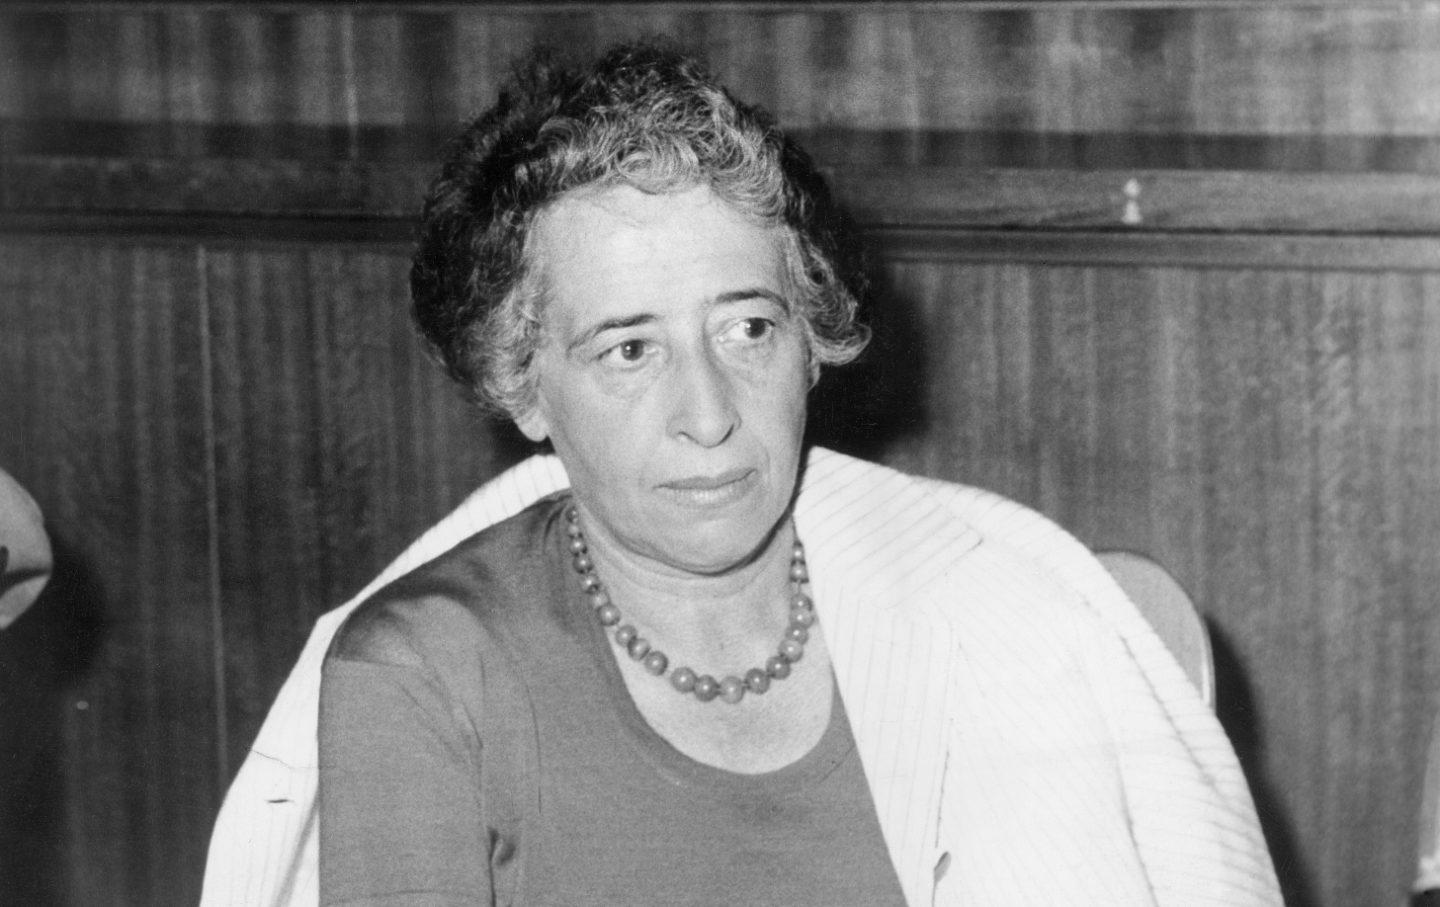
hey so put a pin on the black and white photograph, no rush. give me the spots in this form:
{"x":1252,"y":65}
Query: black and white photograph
{"x":847,"y":453}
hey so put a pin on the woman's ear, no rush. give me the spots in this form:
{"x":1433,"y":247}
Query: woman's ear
{"x":533,"y":424}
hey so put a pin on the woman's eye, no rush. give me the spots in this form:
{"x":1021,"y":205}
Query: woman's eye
{"x":748,"y":330}
{"x":626,"y":353}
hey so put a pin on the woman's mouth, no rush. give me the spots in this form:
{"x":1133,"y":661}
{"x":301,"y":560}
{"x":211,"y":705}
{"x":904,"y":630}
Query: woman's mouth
{"x":709,"y":491}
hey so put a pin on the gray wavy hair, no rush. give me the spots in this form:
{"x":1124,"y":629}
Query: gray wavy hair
{"x":643,"y":115}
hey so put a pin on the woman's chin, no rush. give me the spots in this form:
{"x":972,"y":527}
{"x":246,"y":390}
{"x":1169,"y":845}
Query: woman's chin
{"x":716,"y":547}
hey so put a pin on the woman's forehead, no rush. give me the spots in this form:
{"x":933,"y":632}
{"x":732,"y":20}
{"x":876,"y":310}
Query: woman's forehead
{"x":620,"y":252}
{"x":621,"y":206}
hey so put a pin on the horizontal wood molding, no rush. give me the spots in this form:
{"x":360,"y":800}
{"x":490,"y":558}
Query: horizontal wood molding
{"x":1120,"y":247}
{"x":1351,"y":202}
{"x":210,"y":229}
{"x":501,"y":6}
{"x":1156,"y":249}
{"x":949,"y":197}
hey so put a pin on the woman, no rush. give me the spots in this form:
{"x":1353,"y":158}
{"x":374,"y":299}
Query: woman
{"x":717,"y":668}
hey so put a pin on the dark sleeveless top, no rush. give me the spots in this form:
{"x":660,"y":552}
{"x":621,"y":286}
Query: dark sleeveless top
{"x":478,"y":746}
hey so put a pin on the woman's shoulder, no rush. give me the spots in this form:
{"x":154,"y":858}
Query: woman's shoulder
{"x":1010,"y":571}
{"x":859,"y":485}
{"x":453,"y":602}
{"x":848,"y":492}
{"x":886,"y":530}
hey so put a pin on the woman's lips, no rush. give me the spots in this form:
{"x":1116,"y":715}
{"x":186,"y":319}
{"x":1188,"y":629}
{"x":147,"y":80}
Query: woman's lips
{"x":708,"y":491}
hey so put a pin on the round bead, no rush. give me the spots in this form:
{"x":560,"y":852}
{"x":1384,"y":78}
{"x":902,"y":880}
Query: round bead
{"x":577,"y":545}
{"x":798,"y":572}
{"x":797,"y":552}
{"x":639,"y":647}
{"x":790,"y":650}
{"x":801,"y":602}
{"x":706,"y":688}
{"x":683,"y":680}
{"x":583,"y":564}
{"x":801,"y":618}
{"x":626,"y":634}
{"x":574,"y":531}
{"x":589,"y":582}
{"x":732,"y":689}
{"x":799,"y":634}
{"x":656,"y":662}
{"x":777,"y":667}
{"x":609,"y":615}
{"x":757,"y":681}
{"x":599,"y":598}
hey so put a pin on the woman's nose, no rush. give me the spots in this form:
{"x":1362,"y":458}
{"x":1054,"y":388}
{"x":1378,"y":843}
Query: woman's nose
{"x":702,"y":402}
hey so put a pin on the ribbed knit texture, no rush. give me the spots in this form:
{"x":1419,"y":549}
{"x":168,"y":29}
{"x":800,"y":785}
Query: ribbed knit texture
{"x":1026,"y":736}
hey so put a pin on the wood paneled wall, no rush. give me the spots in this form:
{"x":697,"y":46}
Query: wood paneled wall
{"x":230,"y":427}
{"x":225,"y":442}
{"x":1273,"y":437}
{"x":228,"y":441}
{"x":1319,"y":68}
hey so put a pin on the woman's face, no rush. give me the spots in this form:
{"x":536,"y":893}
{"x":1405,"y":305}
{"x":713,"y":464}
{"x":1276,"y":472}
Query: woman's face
{"x":672,"y":372}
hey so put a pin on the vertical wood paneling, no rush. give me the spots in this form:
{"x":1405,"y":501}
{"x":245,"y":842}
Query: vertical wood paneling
{"x":1395,"y":492}
{"x":320,"y":51}
{"x":31,"y":707}
{"x":115,"y":431}
{"x":11,"y":76}
{"x":267,"y":470}
{"x":407,"y":447}
{"x":141,"y":52}
{"x":1242,"y":69}
{"x":380,"y":75}
{"x":1269,"y":436}
{"x":184,"y":69}
{"x":91,"y":65}
{"x":337,"y":442}
{"x":1176,"y":386}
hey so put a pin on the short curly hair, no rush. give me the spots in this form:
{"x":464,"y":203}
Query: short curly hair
{"x":643,"y":115}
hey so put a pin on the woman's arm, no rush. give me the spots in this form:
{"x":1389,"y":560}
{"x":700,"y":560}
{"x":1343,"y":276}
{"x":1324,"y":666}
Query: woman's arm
{"x":400,"y":813}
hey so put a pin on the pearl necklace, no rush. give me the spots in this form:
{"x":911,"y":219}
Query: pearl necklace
{"x":705,"y":687}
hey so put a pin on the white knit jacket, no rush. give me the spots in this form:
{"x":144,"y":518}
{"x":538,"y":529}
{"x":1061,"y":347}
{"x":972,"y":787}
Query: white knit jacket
{"x":1027,"y":738}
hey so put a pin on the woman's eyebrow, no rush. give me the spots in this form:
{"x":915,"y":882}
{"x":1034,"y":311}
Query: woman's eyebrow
{"x":753,"y":293}
{"x":609,"y":324}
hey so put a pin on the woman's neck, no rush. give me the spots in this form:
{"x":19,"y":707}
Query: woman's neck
{"x":730,"y":617}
